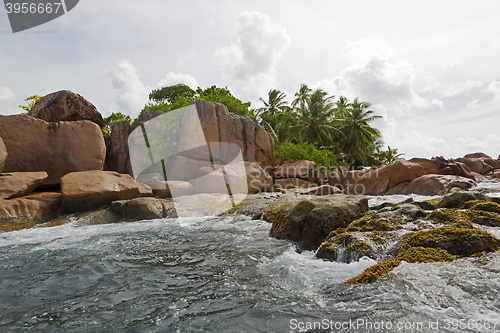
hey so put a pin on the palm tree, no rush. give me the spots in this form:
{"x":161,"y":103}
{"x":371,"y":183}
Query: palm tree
{"x":390,"y":155}
{"x":342,"y":103}
{"x":302,"y":95}
{"x":275,"y":103}
{"x":358,"y":134}
{"x":315,"y":120}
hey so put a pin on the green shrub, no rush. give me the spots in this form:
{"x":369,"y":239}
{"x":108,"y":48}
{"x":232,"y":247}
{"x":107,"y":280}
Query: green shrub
{"x":305,"y":151}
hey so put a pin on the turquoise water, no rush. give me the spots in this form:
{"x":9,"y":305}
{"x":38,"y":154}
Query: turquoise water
{"x":216,"y":274}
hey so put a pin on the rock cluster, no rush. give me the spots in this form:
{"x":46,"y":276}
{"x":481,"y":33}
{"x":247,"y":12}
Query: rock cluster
{"x":56,"y":148}
{"x":59,"y":147}
{"x":418,"y":175}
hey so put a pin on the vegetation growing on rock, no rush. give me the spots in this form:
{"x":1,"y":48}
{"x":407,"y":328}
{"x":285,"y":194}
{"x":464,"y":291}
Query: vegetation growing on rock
{"x":486,"y":206}
{"x":456,"y":241}
{"x":373,"y":272}
{"x":425,"y":254}
{"x":411,"y":255}
{"x":465,"y":218}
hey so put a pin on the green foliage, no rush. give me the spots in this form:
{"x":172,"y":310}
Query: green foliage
{"x":305,"y":151}
{"x":389,"y":156}
{"x":174,"y":97}
{"x":316,"y":120}
{"x":224,"y":96}
{"x":114,"y":118}
{"x":171,"y":94}
{"x":358,"y":136}
{"x":280,"y":126}
{"x":275,"y":103}
{"x":32,"y":100}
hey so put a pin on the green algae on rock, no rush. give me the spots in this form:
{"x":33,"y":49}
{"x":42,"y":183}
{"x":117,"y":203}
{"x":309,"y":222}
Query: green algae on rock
{"x":456,"y":241}
{"x":411,"y":255}
{"x":425,"y":254}
{"x":311,"y":220}
{"x":372,"y":273}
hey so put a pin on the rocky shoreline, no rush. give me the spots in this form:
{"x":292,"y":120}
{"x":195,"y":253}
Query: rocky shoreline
{"x":57,"y":167}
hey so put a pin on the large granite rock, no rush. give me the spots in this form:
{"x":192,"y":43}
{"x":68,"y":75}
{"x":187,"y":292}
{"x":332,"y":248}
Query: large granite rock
{"x":65,"y":105}
{"x":34,"y":208}
{"x":310,"y":221}
{"x":399,"y":174}
{"x":147,"y":115}
{"x":342,"y":178}
{"x":477,"y":155}
{"x":90,"y":189}
{"x":3,"y":154}
{"x":305,"y":170}
{"x":18,"y":184}
{"x":477,"y":165}
{"x":56,"y":148}
{"x":221,"y":126}
{"x":143,"y":208}
{"x":117,"y":154}
{"x":433,"y":185}
{"x":292,"y":183}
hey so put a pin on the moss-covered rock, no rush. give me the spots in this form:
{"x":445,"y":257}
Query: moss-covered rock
{"x":470,"y":203}
{"x":456,"y":241}
{"x":425,"y":254}
{"x":372,"y":273}
{"x":427,"y":204}
{"x":465,"y":218}
{"x":486,"y":206}
{"x":346,"y":247}
{"x":311,"y":220}
{"x":411,"y":255}
{"x":14,"y":226}
{"x":451,"y":217}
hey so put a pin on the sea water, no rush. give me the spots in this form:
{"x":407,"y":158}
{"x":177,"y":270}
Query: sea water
{"x":225,"y":274}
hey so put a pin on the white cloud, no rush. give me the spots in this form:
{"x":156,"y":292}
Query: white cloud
{"x":418,"y":143}
{"x":378,"y":75}
{"x":494,"y":88}
{"x":496,"y":44}
{"x":132,"y":94}
{"x":6,"y":94}
{"x":8,"y":101}
{"x":450,"y":65}
{"x":449,"y":89}
{"x":489,"y":144}
{"x":252,"y":61}
{"x":175,"y":78}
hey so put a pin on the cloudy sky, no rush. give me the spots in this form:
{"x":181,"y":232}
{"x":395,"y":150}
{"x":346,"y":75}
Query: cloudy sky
{"x":430,"y":68}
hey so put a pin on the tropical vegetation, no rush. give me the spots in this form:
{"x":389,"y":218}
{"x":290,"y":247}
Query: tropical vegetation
{"x":314,"y":125}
